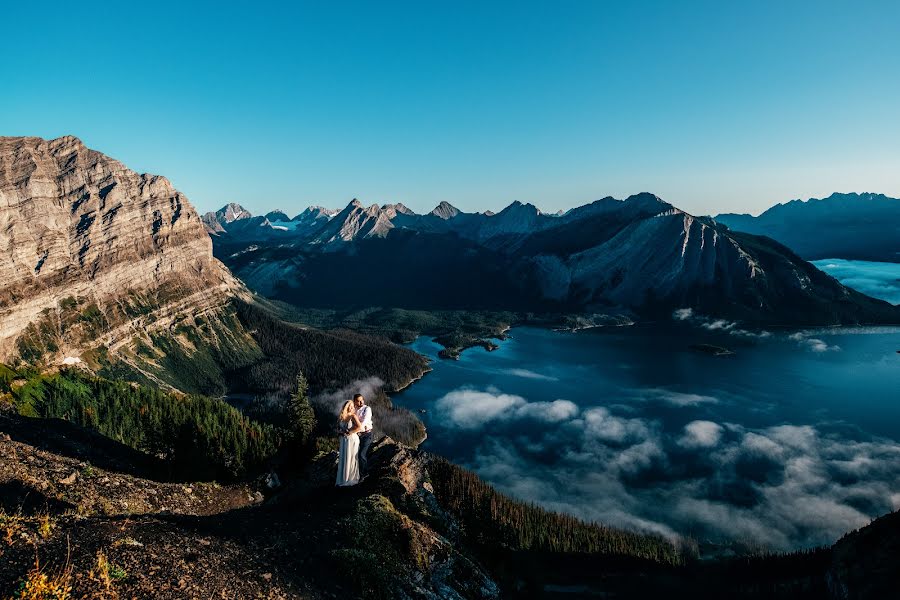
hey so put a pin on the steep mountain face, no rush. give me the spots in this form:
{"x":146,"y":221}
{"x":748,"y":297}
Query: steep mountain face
{"x":95,"y":253}
{"x":233,"y":212}
{"x":357,"y":221}
{"x":852,"y":226}
{"x":314,"y":215}
{"x":640,"y":255}
{"x":517,"y":218}
{"x":445,"y":210}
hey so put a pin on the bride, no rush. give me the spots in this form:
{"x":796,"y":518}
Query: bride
{"x":348,"y":465}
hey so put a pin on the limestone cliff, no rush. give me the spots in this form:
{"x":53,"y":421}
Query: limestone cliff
{"x":95,"y":253}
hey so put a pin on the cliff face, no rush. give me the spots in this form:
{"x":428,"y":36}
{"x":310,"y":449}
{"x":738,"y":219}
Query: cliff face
{"x":93,"y":250}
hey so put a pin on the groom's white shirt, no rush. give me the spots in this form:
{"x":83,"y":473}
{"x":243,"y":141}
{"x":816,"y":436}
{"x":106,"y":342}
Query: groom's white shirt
{"x":364,"y":413}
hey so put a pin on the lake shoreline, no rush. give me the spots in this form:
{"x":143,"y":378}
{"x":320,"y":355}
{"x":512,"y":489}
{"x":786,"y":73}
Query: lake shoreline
{"x":516,"y":417}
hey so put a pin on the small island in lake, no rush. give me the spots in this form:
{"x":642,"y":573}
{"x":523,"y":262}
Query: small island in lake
{"x":452,"y":351}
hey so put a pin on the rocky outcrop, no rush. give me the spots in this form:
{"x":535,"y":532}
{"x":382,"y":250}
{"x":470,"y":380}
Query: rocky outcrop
{"x":92,"y":249}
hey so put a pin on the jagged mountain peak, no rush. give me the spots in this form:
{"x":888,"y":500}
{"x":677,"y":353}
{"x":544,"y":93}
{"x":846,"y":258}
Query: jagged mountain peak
{"x":519,"y":207}
{"x":315,"y":212}
{"x":356,"y":220}
{"x":233,"y":212}
{"x":54,"y":145}
{"x":277,"y":215}
{"x":399,"y":207}
{"x":445,"y":210}
{"x":646,"y":198}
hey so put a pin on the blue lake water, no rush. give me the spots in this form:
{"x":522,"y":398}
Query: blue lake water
{"x":789,"y":442}
{"x":877,"y":279}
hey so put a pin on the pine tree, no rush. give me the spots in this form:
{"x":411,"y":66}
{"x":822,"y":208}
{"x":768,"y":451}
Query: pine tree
{"x":304,"y":419}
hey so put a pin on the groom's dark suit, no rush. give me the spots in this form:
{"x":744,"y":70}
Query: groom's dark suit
{"x":364,"y":413}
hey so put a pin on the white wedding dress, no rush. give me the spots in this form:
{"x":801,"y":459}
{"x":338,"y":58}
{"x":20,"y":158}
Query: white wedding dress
{"x":348,"y":459}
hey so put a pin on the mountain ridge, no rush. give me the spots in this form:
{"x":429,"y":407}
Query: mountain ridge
{"x":853,"y":226}
{"x":640,"y":254}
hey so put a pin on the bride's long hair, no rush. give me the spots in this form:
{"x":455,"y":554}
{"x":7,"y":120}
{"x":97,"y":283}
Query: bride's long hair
{"x":347,"y":411}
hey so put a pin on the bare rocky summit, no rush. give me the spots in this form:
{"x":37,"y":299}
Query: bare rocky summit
{"x":95,"y":251}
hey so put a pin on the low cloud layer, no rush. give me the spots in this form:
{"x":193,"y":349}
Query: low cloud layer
{"x":701,"y":434}
{"x":812,"y":344}
{"x":879,"y":280}
{"x":333,"y":401}
{"x":783,"y":487}
{"x":717,"y":325}
{"x":470,"y":409}
{"x":804,"y":339}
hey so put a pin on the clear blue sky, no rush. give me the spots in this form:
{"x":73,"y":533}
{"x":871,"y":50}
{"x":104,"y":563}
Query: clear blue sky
{"x":715,"y":106}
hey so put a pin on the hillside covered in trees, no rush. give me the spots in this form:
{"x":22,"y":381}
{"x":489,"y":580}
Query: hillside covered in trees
{"x":196,"y":437}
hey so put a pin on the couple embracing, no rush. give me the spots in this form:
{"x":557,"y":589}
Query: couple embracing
{"x":355,"y":428}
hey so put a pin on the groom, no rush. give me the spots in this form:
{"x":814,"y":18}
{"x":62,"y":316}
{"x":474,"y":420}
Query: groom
{"x":364,"y":413}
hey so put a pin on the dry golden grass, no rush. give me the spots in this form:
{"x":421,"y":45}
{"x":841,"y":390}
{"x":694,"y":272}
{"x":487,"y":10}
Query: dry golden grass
{"x":16,"y":526}
{"x":105,"y":573}
{"x":11,"y":526}
{"x":42,"y":585}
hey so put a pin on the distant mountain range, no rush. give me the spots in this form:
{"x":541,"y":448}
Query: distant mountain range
{"x":852,"y":226}
{"x":639,"y":255}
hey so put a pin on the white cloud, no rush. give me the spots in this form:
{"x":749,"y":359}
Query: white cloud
{"x":528,"y":374}
{"x":638,"y":457}
{"x":679,"y":399}
{"x":812,"y":344}
{"x":701,"y":434}
{"x":683,"y":314}
{"x":333,"y":401}
{"x":718,"y":324}
{"x":602,"y":425}
{"x":817,"y":345}
{"x":469,"y":409}
{"x":752,"y":334}
{"x":551,"y":412}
